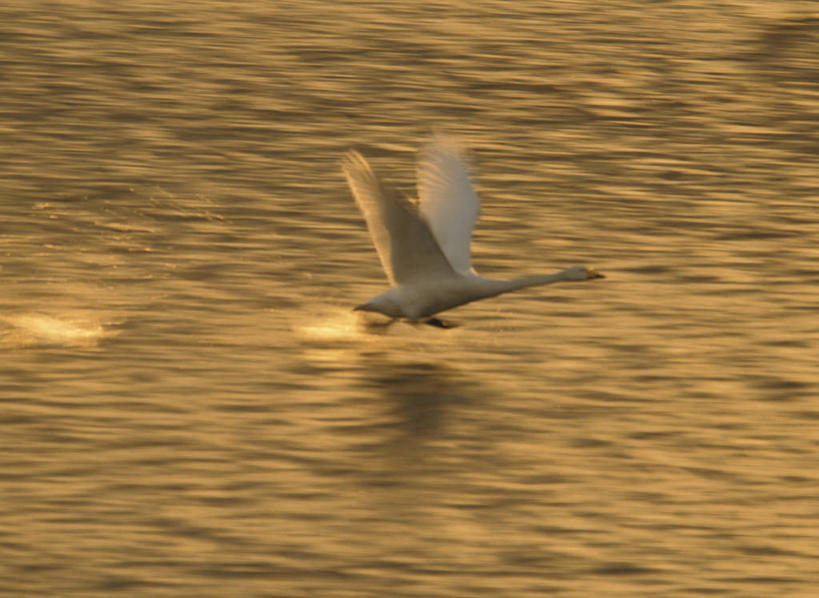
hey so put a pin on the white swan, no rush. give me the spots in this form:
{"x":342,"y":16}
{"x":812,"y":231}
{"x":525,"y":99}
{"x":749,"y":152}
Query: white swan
{"x":424,"y":247}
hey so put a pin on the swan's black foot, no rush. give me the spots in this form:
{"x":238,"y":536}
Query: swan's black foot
{"x":440,"y":323}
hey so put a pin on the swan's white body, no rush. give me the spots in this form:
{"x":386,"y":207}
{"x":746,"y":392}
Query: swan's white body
{"x":424,"y":247}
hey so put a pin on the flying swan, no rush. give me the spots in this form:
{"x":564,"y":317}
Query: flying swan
{"x":424,"y":246}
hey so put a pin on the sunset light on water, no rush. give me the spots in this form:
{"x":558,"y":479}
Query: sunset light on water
{"x":191,"y":407}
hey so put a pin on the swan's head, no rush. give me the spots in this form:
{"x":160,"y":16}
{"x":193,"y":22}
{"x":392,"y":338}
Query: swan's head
{"x":581,"y":273}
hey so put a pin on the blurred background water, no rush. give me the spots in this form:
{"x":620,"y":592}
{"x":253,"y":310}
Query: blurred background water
{"x":190,"y":408}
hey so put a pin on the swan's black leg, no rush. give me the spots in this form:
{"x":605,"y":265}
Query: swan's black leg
{"x":440,"y":323}
{"x":376,"y":324}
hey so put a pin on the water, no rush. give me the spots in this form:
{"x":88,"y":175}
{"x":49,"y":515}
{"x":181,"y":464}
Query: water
{"x":190,"y":408}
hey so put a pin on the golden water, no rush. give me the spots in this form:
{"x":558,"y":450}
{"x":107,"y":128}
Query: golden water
{"x":190,"y":408}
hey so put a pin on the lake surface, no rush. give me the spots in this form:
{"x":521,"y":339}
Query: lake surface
{"x":189,"y":406}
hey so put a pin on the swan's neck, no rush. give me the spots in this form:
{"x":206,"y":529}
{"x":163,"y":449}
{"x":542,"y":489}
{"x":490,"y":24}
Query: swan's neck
{"x":533,"y":281}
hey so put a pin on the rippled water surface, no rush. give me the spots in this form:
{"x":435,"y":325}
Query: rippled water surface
{"x":190,"y":408}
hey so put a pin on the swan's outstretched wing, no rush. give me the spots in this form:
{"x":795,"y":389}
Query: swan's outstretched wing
{"x":447,"y":200}
{"x":406,"y":246}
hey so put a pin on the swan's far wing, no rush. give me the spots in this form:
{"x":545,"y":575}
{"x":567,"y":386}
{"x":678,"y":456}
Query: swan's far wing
{"x":405,"y":245}
{"x":447,"y":200}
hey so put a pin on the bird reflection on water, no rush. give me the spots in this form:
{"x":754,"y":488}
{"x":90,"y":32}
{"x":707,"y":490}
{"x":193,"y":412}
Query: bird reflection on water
{"x":419,"y":395}
{"x":431,"y":415}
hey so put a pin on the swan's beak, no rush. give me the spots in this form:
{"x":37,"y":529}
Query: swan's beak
{"x":595,"y":274}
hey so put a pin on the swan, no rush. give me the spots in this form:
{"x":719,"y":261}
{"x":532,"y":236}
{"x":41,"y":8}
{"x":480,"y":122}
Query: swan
{"x":424,"y":246}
